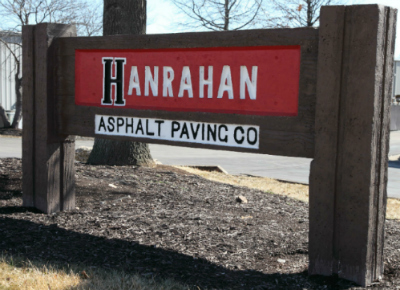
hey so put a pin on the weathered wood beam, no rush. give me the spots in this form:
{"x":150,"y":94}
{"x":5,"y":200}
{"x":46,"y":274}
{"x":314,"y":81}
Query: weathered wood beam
{"x":349,"y":173}
{"x":48,"y":168}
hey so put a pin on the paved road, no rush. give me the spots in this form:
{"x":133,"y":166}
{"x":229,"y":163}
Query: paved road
{"x":394,"y":143}
{"x":285,"y":168}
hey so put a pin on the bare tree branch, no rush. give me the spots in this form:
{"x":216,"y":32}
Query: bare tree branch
{"x":12,"y":51}
{"x":17,"y":13}
{"x":297,"y":13}
{"x":219,"y":15}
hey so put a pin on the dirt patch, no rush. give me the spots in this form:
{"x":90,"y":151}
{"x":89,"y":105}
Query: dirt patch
{"x":269,"y":185}
{"x":165,"y":223}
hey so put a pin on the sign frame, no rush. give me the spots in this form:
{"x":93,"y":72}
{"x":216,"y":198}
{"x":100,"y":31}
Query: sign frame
{"x":343,"y":123}
{"x":285,"y":135}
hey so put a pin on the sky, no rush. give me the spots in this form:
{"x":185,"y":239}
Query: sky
{"x":162,"y":16}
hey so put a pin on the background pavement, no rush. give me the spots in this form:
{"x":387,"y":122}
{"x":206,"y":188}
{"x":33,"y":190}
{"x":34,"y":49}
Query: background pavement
{"x":278,"y":167}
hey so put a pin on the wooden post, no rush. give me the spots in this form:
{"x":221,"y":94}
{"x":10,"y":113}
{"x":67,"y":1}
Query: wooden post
{"x":48,"y":157}
{"x":349,"y":172}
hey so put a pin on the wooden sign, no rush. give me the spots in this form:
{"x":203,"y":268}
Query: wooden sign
{"x":258,"y":80}
{"x":256,"y":98}
{"x":321,"y":93}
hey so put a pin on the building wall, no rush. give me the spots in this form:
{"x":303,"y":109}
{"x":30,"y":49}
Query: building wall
{"x":396,"y":79}
{"x":395,"y":109}
{"x":7,"y":71}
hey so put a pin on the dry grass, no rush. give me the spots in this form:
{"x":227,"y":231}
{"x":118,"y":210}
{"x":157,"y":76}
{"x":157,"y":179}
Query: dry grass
{"x":293,"y":190}
{"x":19,"y":274}
{"x":9,"y":136}
{"x":393,"y":209}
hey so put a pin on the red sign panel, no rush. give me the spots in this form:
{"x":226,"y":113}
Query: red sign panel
{"x":262,"y":80}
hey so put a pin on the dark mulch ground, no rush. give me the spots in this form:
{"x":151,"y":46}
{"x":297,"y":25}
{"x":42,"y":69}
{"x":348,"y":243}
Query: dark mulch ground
{"x":11,"y":132}
{"x":163,"y":222}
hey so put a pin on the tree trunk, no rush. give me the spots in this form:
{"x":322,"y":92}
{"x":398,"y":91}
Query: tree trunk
{"x":3,"y":118}
{"x":18,"y":93}
{"x":122,"y":17}
{"x":309,"y":14}
{"x":113,"y":152}
{"x":226,"y":15}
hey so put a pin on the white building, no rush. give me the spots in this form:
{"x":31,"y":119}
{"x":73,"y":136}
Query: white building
{"x":396,"y":81}
{"x":8,"y":69}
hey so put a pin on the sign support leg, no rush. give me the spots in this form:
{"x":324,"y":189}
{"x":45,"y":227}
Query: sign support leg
{"x":48,"y":158}
{"x":349,"y":173}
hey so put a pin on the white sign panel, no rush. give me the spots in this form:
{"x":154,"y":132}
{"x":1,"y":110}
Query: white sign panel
{"x":242,"y":136}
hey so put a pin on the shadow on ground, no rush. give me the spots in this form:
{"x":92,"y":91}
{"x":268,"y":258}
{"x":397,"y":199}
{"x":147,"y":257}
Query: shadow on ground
{"x":394,"y":164}
{"x":52,"y":244}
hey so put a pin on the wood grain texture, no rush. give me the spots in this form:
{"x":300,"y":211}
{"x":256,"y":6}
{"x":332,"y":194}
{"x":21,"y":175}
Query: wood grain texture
{"x":28,"y":111}
{"x":66,"y":142}
{"x":323,"y":167}
{"x":67,"y":196}
{"x":46,"y":173}
{"x":356,"y":145}
{"x":360,"y":142}
{"x":43,"y":146}
{"x":79,"y":120}
{"x":383,"y":142}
